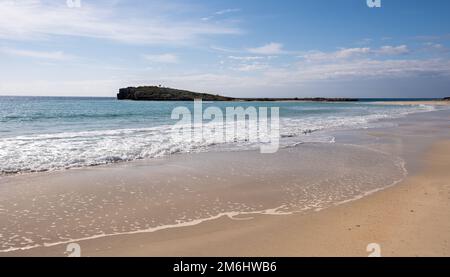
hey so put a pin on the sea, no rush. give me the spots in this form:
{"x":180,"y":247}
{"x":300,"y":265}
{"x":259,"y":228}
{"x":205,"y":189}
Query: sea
{"x":55,"y":133}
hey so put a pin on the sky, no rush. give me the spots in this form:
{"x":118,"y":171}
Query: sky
{"x":245,"y":48}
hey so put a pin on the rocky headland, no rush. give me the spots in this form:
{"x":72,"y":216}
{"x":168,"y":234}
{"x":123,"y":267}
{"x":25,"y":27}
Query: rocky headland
{"x":157,"y":93}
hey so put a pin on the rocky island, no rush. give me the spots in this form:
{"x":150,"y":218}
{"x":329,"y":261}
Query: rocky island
{"x":158,"y":93}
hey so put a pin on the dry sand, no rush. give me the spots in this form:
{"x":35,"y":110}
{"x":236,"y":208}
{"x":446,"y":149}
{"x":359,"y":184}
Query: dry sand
{"x":409,"y":219}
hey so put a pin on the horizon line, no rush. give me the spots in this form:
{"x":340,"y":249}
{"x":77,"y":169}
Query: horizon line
{"x":301,"y":97}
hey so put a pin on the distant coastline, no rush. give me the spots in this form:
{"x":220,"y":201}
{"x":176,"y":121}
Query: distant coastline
{"x":156,"y":93}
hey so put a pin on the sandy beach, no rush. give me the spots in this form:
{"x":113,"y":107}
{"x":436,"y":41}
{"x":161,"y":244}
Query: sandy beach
{"x":107,"y":210}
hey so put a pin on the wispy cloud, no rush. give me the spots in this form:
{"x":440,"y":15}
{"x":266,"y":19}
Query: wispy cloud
{"x":436,"y":47}
{"x":386,"y":62}
{"x":35,"y":19}
{"x":246,"y":58}
{"x":249,"y":63}
{"x":221,"y":12}
{"x":272,"y":48}
{"x":372,"y":69}
{"x":162,"y":58}
{"x":55,"y":55}
{"x":250,"y":67}
{"x":364,"y":41}
{"x":268,"y":77}
{"x":224,"y":49}
{"x":393,"y":50}
{"x":343,"y":64}
{"x":432,"y":37}
{"x":352,"y":53}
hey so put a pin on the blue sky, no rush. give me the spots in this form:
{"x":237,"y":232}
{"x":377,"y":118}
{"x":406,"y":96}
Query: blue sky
{"x":247,"y":48}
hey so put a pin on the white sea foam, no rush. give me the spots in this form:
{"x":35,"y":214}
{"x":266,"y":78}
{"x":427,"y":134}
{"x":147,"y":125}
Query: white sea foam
{"x":230,"y":215}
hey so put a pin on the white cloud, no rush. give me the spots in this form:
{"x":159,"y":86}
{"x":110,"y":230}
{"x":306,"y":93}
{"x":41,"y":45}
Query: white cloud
{"x":223,"y":49}
{"x":35,"y":19}
{"x":221,"y":12}
{"x":436,"y":47}
{"x":162,"y":58}
{"x":209,"y":82}
{"x":249,"y":63}
{"x":346,"y":53}
{"x":268,"y":49}
{"x":393,"y":50}
{"x":246,"y":58}
{"x":352,"y":53}
{"x":56,"y":55}
{"x":344,"y":65}
{"x":361,"y":68}
{"x":305,"y":73}
{"x":250,"y":67}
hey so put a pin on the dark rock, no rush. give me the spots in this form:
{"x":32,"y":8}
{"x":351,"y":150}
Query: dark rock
{"x":154,"y":93}
{"x":157,"y":93}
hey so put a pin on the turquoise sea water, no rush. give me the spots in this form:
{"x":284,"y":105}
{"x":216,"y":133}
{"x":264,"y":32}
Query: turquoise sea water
{"x":47,"y":133}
